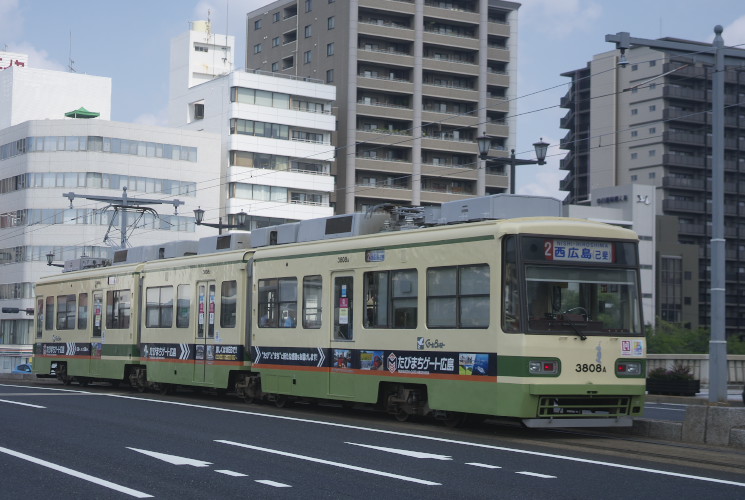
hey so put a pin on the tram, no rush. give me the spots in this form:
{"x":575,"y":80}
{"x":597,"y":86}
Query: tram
{"x":453,"y":311}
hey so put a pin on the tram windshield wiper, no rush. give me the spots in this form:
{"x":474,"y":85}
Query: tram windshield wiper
{"x":567,"y":322}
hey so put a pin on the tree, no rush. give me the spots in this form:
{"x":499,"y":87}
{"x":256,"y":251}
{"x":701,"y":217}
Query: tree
{"x":671,"y":338}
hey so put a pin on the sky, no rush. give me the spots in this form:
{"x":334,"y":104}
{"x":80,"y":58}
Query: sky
{"x":129,"y":41}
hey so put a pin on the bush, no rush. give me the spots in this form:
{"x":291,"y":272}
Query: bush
{"x":678,"y":372}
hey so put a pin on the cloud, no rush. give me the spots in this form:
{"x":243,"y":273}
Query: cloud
{"x":559,"y":18}
{"x":11,"y":22}
{"x":36,"y":58}
{"x":159,"y":118}
{"x":734,"y":33}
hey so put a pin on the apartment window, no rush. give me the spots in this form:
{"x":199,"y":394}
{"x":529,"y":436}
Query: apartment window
{"x":634,"y":67}
{"x":652,"y":175}
{"x":652,"y":86}
{"x":634,"y":90}
{"x":275,"y":41}
{"x":652,"y":107}
{"x":275,"y":17}
{"x":330,"y":76}
{"x":634,"y":156}
{"x":307,"y":56}
{"x":634,"y":133}
{"x":634,"y":178}
{"x":634,"y":111}
{"x":652,"y":63}
{"x":330,"y":49}
{"x":652,"y":130}
{"x":275,"y":67}
{"x":308,"y":5}
{"x":257,"y":48}
{"x":331,"y":23}
{"x":308,"y":31}
{"x":257,"y":24}
{"x":652,"y":152}
{"x":200,"y":48}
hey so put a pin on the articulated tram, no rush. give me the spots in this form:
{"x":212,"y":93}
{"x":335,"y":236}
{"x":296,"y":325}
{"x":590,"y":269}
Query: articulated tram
{"x":450,"y":311}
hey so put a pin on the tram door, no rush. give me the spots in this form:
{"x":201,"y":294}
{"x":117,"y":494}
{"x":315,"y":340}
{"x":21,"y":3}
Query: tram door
{"x":97,"y":340}
{"x":205,"y":334}
{"x":341,"y":379}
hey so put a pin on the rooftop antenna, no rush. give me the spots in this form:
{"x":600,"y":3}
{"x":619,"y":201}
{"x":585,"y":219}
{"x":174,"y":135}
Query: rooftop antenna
{"x":70,"y":64}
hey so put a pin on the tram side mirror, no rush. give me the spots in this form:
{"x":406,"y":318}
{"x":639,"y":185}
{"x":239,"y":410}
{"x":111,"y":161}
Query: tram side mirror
{"x":556,"y":298}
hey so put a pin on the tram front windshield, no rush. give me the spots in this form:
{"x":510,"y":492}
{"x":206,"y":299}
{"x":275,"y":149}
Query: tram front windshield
{"x":582,"y":299}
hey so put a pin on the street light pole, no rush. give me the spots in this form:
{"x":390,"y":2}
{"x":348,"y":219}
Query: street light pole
{"x":541,"y":148}
{"x":718,"y":341}
{"x":240,"y":219}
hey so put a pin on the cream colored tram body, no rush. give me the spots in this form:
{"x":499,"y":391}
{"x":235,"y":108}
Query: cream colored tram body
{"x":534,"y":318}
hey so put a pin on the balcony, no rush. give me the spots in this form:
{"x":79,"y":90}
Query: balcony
{"x":388,"y":29}
{"x":446,"y":37}
{"x":685,"y":138}
{"x":497,"y":78}
{"x":458,"y":172}
{"x":451,"y":11}
{"x":498,"y":54}
{"x":672,"y":160}
{"x":450,"y":65}
{"x":449,"y":118}
{"x":696,"y":207}
{"x":382,"y":136}
{"x":679,"y":183}
{"x":383,"y":109}
{"x":384,"y":84}
{"x":383,"y":165}
{"x":684,"y":93}
{"x":385,"y":57}
{"x":444,"y":142}
{"x":684,"y":116}
{"x":445,"y":90}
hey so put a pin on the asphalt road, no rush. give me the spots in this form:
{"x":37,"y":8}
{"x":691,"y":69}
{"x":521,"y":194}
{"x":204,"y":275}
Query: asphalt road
{"x":106,"y":443}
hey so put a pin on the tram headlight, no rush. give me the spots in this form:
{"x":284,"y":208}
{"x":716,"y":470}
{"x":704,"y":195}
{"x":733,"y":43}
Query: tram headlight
{"x":543,"y":367}
{"x":629,"y":368}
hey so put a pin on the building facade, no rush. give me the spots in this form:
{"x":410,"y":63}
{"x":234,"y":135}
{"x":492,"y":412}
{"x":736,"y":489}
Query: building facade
{"x":649,"y":122}
{"x":275,"y":130}
{"x":417,"y":82}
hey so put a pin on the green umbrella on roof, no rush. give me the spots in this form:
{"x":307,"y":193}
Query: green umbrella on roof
{"x":82,"y":113}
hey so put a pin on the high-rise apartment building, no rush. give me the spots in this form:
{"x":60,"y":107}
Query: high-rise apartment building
{"x":649,"y":122}
{"x":417,"y":82}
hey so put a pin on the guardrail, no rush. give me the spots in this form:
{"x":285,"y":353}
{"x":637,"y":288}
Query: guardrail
{"x":699,"y":365}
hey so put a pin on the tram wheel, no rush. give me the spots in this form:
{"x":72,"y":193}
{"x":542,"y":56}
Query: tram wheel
{"x":402,"y":416}
{"x":280,"y":401}
{"x":83,"y":382}
{"x":455,"y":419}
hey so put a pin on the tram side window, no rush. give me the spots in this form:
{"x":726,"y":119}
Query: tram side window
{"x":118,"y":303}
{"x":159,"y":307}
{"x":228,"y":301}
{"x":183,"y":306}
{"x":39,"y":317}
{"x":391,"y":299}
{"x":49,"y":319}
{"x":66,"y":312}
{"x":510,"y":288}
{"x":278,"y":303}
{"x":458,"y":297}
{"x":82,"y":311}
{"x":312,"y":296}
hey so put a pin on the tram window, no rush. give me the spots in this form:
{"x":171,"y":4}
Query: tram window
{"x":66,"y":312}
{"x":458,"y":297}
{"x":39,"y":317}
{"x":183,"y":306}
{"x":277,"y":303}
{"x":49,"y":320}
{"x":159,"y":307}
{"x":510,"y":287}
{"x":391,"y":299}
{"x":82,"y":311}
{"x":312,"y":296}
{"x":228,"y":297}
{"x":404,"y":288}
{"x":118,"y":303}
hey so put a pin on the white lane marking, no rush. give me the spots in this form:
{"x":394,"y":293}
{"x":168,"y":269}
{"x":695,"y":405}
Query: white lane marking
{"x":440,"y":440}
{"x":172,"y":459}
{"x":408,"y":453}
{"x":485,"y":466}
{"x":329,"y":462}
{"x":46,"y":388}
{"x":535,"y":474}
{"x":231,"y":473}
{"x":22,"y":404}
{"x":273,"y":483}
{"x":74,"y":473}
{"x":665,"y":409}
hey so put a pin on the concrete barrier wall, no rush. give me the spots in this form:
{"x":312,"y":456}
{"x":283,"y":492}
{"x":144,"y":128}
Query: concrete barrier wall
{"x":699,"y":365}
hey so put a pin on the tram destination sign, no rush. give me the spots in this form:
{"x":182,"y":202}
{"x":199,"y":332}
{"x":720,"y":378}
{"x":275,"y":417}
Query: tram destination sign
{"x":579,"y":251}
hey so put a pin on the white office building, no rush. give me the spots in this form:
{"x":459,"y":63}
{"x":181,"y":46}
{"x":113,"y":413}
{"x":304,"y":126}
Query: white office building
{"x":275,"y":130}
{"x":45,"y":156}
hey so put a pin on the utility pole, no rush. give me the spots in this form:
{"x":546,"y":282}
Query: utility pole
{"x":717,"y":57}
{"x":124,"y":204}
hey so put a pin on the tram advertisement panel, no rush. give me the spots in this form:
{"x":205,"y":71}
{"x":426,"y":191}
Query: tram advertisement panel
{"x":387,"y":362}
